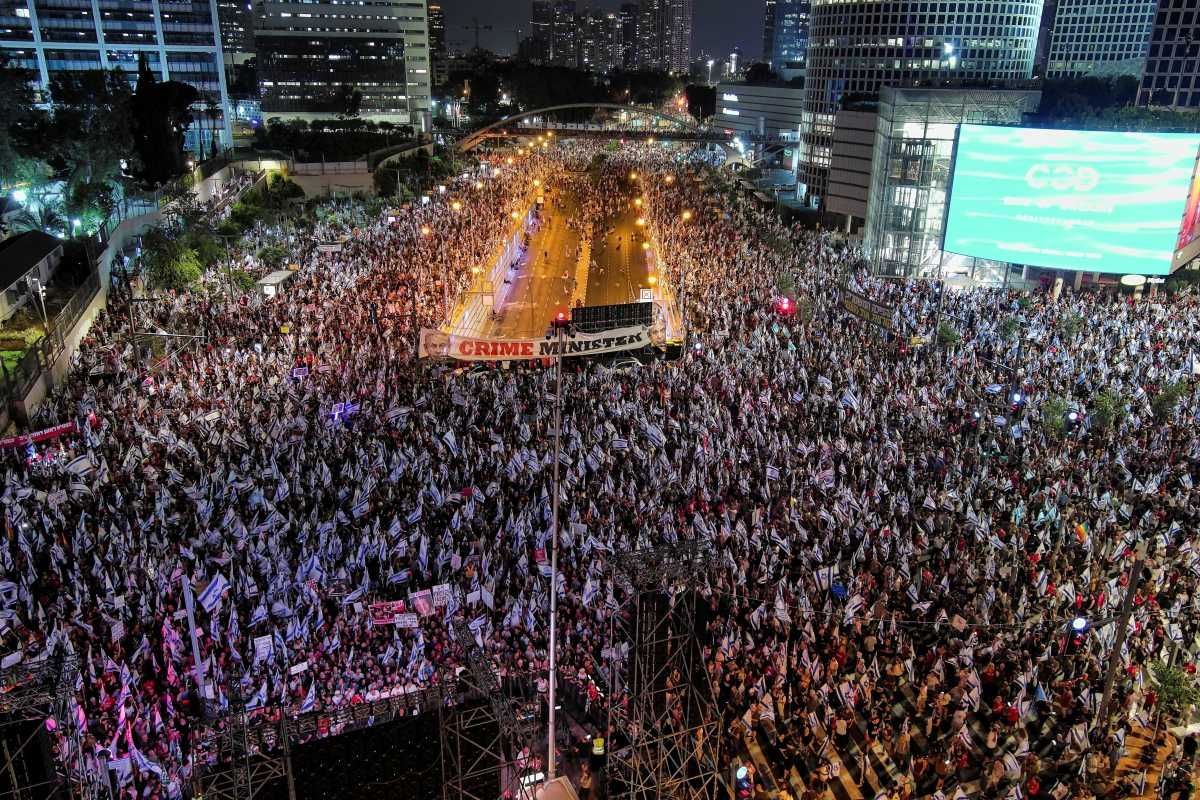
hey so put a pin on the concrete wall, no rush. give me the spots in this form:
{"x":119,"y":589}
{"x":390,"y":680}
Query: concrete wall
{"x":335,"y":183}
{"x":50,"y":378}
{"x":850,"y":167}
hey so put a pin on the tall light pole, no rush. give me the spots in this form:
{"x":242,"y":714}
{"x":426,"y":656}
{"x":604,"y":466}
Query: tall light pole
{"x":1114,"y":654}
{"x":561,"y":322}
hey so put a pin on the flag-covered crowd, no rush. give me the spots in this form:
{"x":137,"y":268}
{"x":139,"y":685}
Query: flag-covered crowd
{"x":900,"y":548}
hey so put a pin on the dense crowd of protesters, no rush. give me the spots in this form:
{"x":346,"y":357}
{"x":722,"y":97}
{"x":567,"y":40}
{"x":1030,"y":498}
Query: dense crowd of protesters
{"x":903,"y":536}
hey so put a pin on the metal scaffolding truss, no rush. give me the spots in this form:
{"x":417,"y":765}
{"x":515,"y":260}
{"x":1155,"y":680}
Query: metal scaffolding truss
{"x":251,"y":753}
{"x":485,"y":742}
{"x":665,"y":740}
{"x":35,"y":692}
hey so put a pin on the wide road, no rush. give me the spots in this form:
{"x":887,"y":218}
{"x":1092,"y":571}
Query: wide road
{"x":546,"y":281}
{"x":620,"y":265}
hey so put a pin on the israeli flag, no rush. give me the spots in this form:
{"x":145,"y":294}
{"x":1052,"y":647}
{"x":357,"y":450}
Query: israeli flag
{"x":310,"y":699}
{"x":210,"y":598}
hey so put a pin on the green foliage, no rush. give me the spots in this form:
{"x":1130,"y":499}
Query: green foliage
{"x":785,"y":283}
{"x":1176,"y":689}
{"x":1071,"y":325}
{"x":244,"y":215}
{"x":1024,"y":303}
{"x":161,"y":114}
{"x":228,"y":228}
{"x":1108,"y":410}
{"x":1009,"y":327}
{"x":279,"y":190}
{"x":169,"y":263}
{"x":1167,"y":398}
{"x":208,"y":248}
{"x":272,"y":255}
{"x":1054,"y":416}
{"x":20,"y":155}
{"x":332,"y":140}
{"x":243,"y":280}
{"x":947,"y":334}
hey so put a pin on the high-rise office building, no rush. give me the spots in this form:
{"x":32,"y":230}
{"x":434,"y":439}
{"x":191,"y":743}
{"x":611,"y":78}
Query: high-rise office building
{"x":628,"y":16}
{"x":768,"y":48}
{"x":790,"y":46}
{"x":651,"y":34}
{"x":541,"y":27}
{"x":316,"y":58}
{"x":564,"y":39}
{"x":1100,"y":37}
{"x":181,"y":41}
{"x":439,"y":56}
{"x":678,"y":55}
{"x":600,"y":41}
{"x":1172,"y":74}
{"x":237,"y":30}
{"x":857,"y":47}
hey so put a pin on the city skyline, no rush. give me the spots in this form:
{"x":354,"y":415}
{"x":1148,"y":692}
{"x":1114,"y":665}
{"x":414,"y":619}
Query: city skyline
{"x":718,"y":27}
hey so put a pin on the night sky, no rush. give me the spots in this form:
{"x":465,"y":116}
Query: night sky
{"x":719,"y":24}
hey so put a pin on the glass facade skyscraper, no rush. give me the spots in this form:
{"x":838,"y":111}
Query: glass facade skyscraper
{"x":181,"y":40}
{"x":1100,"y":37}
{"x":789,"y":46}
{"x":856,"y":47}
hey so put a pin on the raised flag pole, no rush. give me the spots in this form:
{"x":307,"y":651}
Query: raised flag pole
{"x":190,"y":604}
{"x":560,"y":324}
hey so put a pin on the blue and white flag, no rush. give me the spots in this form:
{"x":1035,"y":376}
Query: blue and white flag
{"x":210,"y":598}
{"x":310,"y":699}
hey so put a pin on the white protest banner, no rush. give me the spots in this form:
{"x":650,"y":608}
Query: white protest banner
{"x":263,"y":647}
{"x":435,"y":344}
{"x":296,"y":669}
{"x":441,"y":595}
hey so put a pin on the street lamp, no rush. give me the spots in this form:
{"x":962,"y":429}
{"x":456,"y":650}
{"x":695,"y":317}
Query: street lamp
{"x":425,"y":230}
{"x":561,"y":322}
{"x":687,"y":216}
{"x":456,"y":206}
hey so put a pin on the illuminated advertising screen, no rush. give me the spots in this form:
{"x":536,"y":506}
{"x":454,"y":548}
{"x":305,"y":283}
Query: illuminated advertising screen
{"x":1188,"y":245}
{"x":1096,"y":201}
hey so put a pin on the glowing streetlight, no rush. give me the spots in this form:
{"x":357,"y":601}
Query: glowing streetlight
{"x":475,"y":270}
{"x":510,"y":161}
{"x":638,"y":202}
{"x":20,"y":195}
{"x":478,"y":184}
{"x":633,"y":176}
{"x":652,"y":280}
{"x":670,"y":179}
{"x":687,"y":216}
{"x":537,"y":182}
{"x":641,"y":222}
{"x":425,"y":230}
{"x":456,"y":206}
{"x":645,"y":245}
{"x":515,"y":215}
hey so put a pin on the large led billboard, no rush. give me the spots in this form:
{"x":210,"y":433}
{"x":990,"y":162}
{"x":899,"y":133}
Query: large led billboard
{"x":1096,"y":201}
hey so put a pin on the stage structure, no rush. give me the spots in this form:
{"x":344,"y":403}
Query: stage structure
{"x":486,"y":739}
{"x":31,"y":696}
{"x":665,"y":744}
{"x":251,"y":751}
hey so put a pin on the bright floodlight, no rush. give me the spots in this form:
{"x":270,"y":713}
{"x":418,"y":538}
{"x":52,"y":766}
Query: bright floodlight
{"x":20,"y":195}
{"x":1079,"y":624}
{"x":1016,"y":397}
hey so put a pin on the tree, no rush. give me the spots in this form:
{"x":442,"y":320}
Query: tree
{"x":89,"y":133}
{"x":1176,"y":689}
{"x":1108,"y":410}
{"x":1167,"y":398}
{"x":349,"y":101}
{"x":1054,"y":416}
{"x":701,"y":100}
{"x":947,"y":334}
{"x":162,"y":113}
{"x":20,"y":155}
{"x":759,"y":74}
{"x":168,"y":262}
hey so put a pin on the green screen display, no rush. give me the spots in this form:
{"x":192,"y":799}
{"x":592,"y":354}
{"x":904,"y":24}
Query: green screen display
{"x":1080,"y":200}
